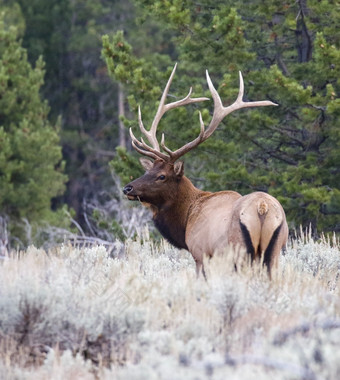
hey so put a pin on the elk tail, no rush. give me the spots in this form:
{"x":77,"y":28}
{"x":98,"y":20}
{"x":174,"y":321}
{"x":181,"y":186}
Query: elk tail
{"x":262,"y":207}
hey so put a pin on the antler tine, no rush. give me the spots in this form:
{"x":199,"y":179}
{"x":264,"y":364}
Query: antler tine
{"x":151,"y":134}
{"x":162,"y":108}
{"x":151,"y":137}
{"x":142,"y":148}
{"x":187,"y":147}
{"x":241,"y":89}
{"x":143,"y":152}
{"x":220,"y":112}
{"x":186,"y":100}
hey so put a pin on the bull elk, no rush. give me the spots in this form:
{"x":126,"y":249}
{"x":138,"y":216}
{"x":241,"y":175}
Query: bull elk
{"x":203,"y":222}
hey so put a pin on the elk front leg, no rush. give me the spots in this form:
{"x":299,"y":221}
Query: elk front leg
{"x":200,"y":268}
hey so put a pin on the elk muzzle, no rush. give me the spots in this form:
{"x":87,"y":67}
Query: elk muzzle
{"x":128,"y":191}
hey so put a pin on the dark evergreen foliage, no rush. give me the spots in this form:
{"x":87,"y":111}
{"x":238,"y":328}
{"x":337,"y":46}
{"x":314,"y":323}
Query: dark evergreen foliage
{"x":288,"y":53}
{"x":31,"y":167}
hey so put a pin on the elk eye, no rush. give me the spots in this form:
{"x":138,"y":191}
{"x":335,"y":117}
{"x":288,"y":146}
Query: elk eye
{"x":161,"y":177}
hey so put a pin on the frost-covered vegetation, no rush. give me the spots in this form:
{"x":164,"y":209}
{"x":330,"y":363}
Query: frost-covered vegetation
{"x":77,"y":313}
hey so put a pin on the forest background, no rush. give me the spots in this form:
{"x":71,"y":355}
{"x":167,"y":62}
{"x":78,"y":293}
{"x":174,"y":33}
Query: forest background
{"x":72,"y":74}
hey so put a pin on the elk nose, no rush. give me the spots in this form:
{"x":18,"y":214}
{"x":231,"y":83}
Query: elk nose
{"x":127,"y":189}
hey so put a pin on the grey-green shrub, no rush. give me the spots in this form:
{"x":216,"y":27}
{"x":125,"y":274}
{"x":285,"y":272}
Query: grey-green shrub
{"x":80,"y":313}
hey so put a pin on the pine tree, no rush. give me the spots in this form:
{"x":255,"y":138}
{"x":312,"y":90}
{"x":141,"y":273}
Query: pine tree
{"x":31,"y":170}
{"x":288,"y":53}
{"x":68,"y":35}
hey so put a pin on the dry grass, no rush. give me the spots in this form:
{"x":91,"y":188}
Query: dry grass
{"x":80,"y":314}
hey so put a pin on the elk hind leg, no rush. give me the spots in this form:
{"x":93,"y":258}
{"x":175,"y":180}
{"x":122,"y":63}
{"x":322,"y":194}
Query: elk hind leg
{"x":272,"y":251}
{"x":200,"y":269}
{"x":250,"y":245}
{"x":262,"y":245}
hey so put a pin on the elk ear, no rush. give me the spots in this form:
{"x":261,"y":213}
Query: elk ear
{"x":179,"y":168}
{"x":147,"y":164}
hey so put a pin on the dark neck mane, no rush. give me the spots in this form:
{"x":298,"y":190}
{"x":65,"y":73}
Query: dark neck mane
{"x":175,"y":235}
{"x":171,"y":217}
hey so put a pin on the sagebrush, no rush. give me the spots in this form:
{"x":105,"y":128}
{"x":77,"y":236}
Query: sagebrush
{"x":79,"y":313}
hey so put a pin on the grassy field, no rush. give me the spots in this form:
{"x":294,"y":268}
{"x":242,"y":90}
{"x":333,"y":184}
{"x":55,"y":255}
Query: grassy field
{"x":80,"y":313}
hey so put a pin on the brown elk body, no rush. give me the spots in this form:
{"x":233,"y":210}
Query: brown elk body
{"x":202,"y":222}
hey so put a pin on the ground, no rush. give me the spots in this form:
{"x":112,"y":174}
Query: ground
{"x":85,"y":313}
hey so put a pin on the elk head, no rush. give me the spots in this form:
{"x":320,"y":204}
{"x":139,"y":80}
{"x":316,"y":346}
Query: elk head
{"x":162,"y":176}
{"x":158,"y":184}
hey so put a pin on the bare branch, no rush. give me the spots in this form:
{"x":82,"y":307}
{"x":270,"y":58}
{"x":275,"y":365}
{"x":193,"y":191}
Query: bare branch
{"x":304,"y":328}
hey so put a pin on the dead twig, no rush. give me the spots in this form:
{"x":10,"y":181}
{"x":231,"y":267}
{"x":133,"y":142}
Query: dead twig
{"x":305,"y":328}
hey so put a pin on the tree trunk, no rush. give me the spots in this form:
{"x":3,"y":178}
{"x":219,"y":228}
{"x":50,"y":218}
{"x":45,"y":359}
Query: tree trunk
{"x":121,"y":112}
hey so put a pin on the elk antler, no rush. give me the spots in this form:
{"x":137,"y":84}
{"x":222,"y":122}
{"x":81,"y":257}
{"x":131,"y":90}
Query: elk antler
{"x":220,"y":112}
{"x":153,"y":151}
